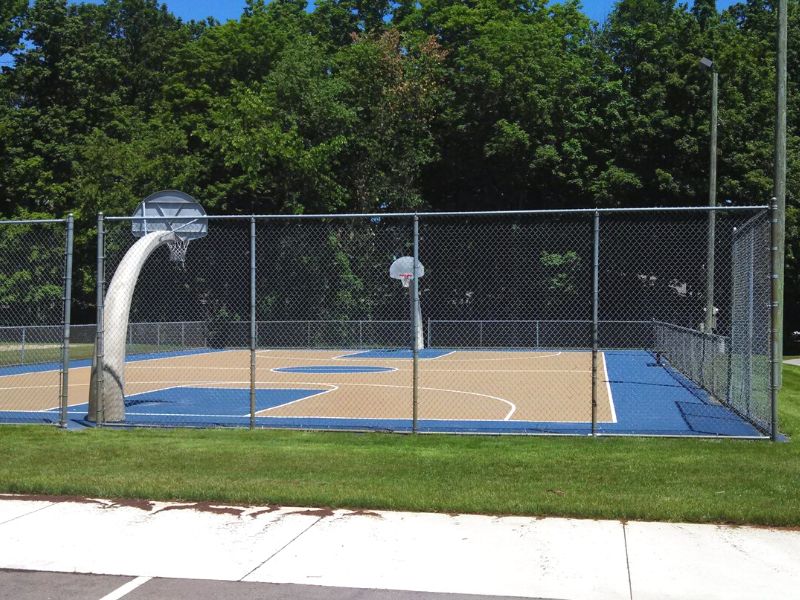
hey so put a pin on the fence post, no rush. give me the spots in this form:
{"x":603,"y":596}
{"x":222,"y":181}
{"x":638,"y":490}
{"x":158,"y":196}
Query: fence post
{"x":414,"y":312}
{"x":67,"y":319}
{"x":537,"y":334}
{"x":360,"y":333}
{"x":595,"y":301}
{"x":750,"y":317}
{"x":430,"y":339}
{"x":712,"y":202}
{"x":183,"y":335}
{"x":22,"y":347}
{"x":99,"y":350}
{"x":775,"y":316}
{"x":480,"y":334}
{"x":252,"y":322}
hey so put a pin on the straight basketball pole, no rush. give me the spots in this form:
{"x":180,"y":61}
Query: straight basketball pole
{"x":253,"y":332}
{"x":595,"y":302}
{"x":414,"y":325}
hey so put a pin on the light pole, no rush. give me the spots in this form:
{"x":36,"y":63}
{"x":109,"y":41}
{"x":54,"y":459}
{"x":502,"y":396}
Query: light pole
{"x":712,"y":197}
{"x":778,"y":217}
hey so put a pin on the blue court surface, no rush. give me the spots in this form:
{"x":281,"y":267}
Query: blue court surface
{"x":648,"y":399}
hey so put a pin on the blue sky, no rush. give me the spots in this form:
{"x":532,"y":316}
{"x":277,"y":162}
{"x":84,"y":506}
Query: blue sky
{"x":224,"y":10}
{"x":231,"y":9}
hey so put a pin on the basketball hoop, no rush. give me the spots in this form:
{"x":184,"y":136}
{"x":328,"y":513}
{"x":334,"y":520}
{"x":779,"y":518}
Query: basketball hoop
{"x":177,"y":251}
{"x":406,"y":269}
{"x":403,"y":269}
{"x":171,"y":210}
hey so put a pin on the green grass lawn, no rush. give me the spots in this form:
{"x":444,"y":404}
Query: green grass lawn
{"x":656,"y":479}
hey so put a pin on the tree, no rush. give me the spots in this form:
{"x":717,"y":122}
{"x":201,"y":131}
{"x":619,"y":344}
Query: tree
{"x":12,"y":14}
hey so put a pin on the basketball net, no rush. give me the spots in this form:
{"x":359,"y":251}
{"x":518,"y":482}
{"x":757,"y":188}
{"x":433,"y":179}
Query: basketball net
{"x":405,"y":279}
{"x":177,"y":251}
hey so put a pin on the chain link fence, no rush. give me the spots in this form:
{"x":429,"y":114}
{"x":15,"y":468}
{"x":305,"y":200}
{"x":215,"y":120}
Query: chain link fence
{"x":574,"y":322}
{"x":35,"y":302}
{"x":577,"y":322}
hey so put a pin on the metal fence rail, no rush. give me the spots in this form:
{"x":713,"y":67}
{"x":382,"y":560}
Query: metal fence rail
{"x":538,"y":334}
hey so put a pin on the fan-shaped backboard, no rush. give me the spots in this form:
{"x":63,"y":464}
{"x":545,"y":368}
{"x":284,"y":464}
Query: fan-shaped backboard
{"x":170,"y":210}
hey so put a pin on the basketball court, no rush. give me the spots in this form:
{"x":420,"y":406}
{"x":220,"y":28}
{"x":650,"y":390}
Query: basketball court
{"x":460,"y":391}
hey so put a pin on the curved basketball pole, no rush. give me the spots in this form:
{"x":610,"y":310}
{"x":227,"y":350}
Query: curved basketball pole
{"x":115,"y":322}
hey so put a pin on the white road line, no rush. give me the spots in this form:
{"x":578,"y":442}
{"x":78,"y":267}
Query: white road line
{"x":126,"y":589}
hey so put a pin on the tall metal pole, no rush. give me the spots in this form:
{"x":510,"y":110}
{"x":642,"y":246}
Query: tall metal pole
{"x":775,"y":316}
{"x":67,"y":319}
{"x":712,"y":201}
{"x":101,"y":284}
{"x":595,"y":303}
{"x":414,"y":325}
{"x":780,"y":170}
{"x":253,"y":332}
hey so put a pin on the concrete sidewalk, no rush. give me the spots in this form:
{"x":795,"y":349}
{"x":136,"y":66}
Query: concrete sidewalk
{"x":466,"y":554}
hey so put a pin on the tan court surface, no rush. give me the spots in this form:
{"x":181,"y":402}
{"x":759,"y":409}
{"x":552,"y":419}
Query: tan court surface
{"x":484,"y":385}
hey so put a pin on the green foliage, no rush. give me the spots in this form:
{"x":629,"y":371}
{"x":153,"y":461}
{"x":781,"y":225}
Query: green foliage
{"x":12,"y":13}
{"x":370,"y":105}
{"x":31,"y":295}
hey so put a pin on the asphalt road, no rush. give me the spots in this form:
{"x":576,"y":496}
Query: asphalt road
{"x":41,"y":585}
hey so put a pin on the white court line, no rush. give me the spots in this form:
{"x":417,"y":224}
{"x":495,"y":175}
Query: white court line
{"x":525,"y":356}
{"x":330,"y":385}
{"x":223,"y":383}
{"x":408,"y":387}
{"x":187,"y":355}
{"x":354,"y":355}
{"x":381,"y":385}
{"x":490,"y":370}
{"x":127,"y":363}
{"x":131,"y":409}
{"x":394,"y":369}
{"x":333,"y":388}
{"x":34,"y":387}
{"x":390,"y":369}
{"x":608,"y":390}
{"x":426,"y":419}
{"x":383,"y":370}
{"x":186,"y":368}
{"x":126,"y":589}
{"x":172,"y":387}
